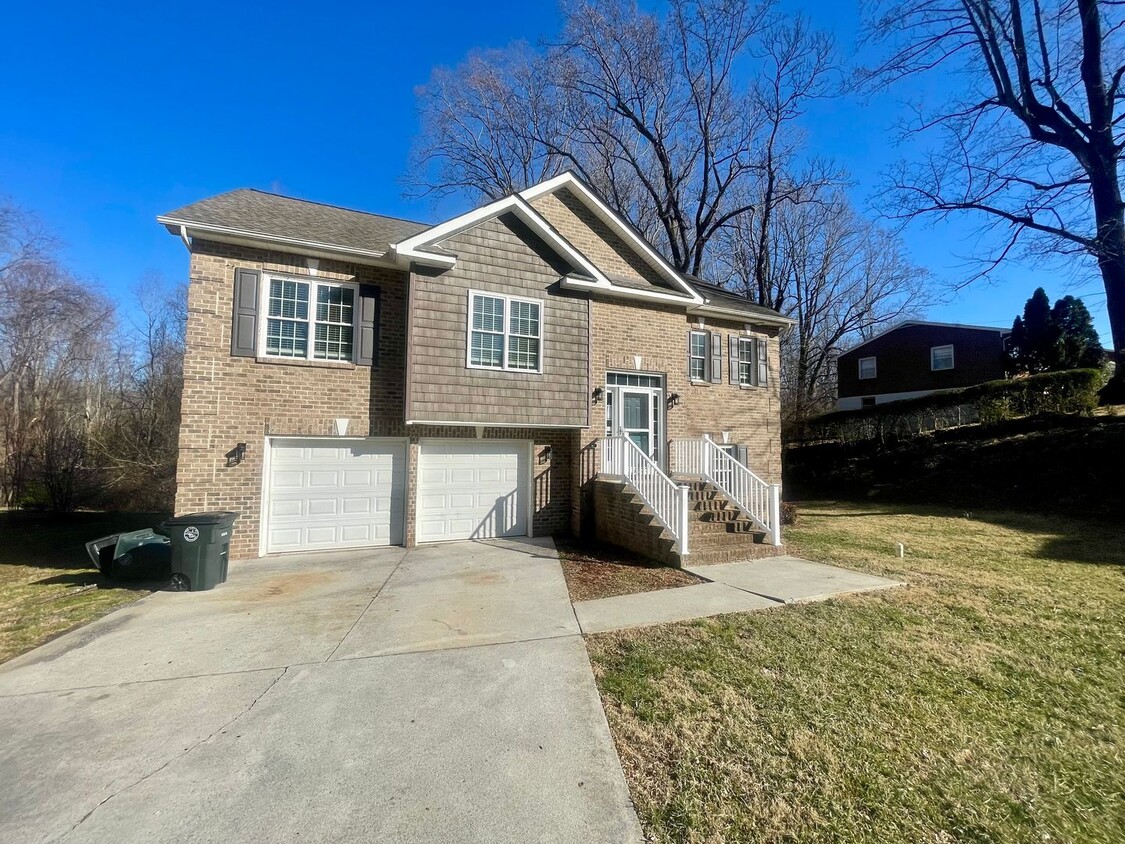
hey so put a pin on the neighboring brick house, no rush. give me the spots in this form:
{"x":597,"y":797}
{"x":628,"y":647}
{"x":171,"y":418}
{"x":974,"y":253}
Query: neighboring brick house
{"x":354,"y":380}
{"x":916,"y":359}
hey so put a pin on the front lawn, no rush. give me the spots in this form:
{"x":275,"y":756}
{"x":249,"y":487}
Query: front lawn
{"x":48,"y":584}
{"x":984,"y":702}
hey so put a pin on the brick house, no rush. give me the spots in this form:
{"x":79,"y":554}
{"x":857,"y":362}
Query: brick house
{"x":532,"y":367}
{"x":918,"y":358}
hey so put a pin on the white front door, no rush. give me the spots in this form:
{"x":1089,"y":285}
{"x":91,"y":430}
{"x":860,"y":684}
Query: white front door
{"x":472,"y":489}
{"x":327,"y":493}
{"x":635,"y":408}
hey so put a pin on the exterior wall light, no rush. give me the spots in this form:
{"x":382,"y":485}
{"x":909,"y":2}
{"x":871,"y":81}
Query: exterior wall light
{"x":236,"y":455}
{"x":673,"y":400}
{"x":597,"y":395}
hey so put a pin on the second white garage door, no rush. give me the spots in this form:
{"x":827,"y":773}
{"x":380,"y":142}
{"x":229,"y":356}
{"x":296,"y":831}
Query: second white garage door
{"x":472,"y":489}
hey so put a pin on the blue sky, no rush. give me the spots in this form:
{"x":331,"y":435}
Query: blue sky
{"x":116,"y":112}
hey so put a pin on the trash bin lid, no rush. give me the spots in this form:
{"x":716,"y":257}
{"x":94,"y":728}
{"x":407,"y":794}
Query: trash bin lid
{"x":213,"y":518}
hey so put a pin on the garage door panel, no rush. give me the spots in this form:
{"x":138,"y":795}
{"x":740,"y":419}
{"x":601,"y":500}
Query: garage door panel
{"x":335,"y":496}
{"x":472,"y":490}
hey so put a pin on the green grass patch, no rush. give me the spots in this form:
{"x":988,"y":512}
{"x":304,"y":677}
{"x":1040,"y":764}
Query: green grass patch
{"x":981,"y":703}
{"x":48,"y":584}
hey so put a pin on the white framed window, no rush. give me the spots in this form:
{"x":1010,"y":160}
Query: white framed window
{"x":941,"y":357}
{"x":698,"y":355}
{"x":308,"y":319}
{"x":746,"y":366}
{"x":867,"y":368}
{"x":504,"y":332}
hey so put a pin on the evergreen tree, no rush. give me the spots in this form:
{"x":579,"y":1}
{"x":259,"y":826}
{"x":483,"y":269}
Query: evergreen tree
{"x":1047,"y":339}
{"x":1078,"y":344}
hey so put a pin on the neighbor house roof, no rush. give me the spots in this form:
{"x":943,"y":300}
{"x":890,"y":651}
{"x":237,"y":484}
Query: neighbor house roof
{"x":269,"y":216}
{"x":914,"y":322}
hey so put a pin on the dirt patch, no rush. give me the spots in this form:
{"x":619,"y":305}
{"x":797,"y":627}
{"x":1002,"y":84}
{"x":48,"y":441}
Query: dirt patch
{"x":595,"y":570}
{"x":282,"y":587}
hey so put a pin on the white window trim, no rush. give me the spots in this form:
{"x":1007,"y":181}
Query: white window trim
{"x":313,"y":282}
{"x":952,"y":360}
{"x":706,"y":378}
{"x":874,"y":369}
{"x":507,"y":332}
{"x":752,"y":363}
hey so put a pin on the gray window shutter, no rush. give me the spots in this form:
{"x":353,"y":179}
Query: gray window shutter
{"x":732,"y":365}
{"x":716,"y":358}
{"x":367,"y":349}
{"x":244,"y":325}
{"x":762,"y":358}
{"x":689,"y":354}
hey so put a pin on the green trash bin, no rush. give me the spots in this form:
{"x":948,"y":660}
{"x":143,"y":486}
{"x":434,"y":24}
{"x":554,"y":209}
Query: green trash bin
{"x":200,"y":547}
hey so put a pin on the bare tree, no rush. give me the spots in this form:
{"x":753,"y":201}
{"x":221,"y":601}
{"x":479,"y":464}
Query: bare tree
{"x":684,"y":122}
{"x":1033,"y":140}
{"x":842,"y":278}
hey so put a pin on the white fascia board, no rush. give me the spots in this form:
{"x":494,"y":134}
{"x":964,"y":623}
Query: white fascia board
{"x":742,"y":316}
{"x":412,"y":249}
{"x":225,"y":234}
{"x":572,"y":283}
{"x":614,"y":221}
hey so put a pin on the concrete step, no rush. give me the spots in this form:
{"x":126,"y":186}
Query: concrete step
{"x":716,"y":515}
{"x":723,"y":528}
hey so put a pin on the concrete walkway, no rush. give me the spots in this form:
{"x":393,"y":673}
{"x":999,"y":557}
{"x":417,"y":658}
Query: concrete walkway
{"x":731,"y":587}
{"x":437,"y":695}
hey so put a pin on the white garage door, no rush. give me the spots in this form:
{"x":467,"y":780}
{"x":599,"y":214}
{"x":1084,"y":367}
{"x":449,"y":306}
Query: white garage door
{"x":471,"y":489}
{"x":335,"y":494}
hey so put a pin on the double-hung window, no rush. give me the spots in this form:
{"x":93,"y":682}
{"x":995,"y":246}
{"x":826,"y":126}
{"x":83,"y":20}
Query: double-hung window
{"x":697,"y":355}
{"x":746,"y":369}
{"x":505,"y":332}
{"x":310,"y":320}
{"x":867,"y":368}
{"x":941,"y":357}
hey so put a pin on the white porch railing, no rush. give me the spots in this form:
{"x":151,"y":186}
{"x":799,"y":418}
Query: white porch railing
{"x":760,"y":501}
{"x":668,"y":500}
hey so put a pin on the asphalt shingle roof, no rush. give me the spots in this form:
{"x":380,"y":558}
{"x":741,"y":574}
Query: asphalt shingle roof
{"x":258,"y":212}
{"x":725,"y":298}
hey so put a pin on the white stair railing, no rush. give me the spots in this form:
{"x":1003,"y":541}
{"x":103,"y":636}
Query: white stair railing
{"x":760,"y":501}
{"x":667,"y":499}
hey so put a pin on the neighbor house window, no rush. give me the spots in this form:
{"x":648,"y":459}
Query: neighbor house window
{"x":868,"y":401}
{"x":297,"y":311}
{"x":941,"y":357}
{"x":504,"y":332}
{"x":697,"y":356}
{"x":746,"y":368}
{"x":867,"y":367}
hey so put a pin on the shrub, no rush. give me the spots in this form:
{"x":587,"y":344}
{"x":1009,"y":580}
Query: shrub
{"x":788,"y":513}
{"x":1070,"y":391}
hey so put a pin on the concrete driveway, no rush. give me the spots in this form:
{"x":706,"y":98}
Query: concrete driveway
{"x":441,"y":694}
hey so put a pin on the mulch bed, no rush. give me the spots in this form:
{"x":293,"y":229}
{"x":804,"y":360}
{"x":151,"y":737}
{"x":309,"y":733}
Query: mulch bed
{"x":595,"y":570}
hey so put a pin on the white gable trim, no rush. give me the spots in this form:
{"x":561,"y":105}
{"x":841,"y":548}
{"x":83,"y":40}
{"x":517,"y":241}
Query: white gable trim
{"x":618,"y":225}
{"x":614,"y":290}
{"x":412,"y":250}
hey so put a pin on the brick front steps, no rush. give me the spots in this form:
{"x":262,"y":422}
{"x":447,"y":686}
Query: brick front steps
{"x":718,"y":531}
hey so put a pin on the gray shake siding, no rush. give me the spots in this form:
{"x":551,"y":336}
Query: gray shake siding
{"x":498,"y":256}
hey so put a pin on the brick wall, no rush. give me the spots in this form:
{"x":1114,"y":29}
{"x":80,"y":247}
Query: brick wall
{"x":228,"y":399}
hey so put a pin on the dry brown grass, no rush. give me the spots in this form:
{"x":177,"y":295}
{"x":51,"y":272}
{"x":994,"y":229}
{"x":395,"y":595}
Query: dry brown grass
{"x":595,"y":570}
{"x":982,"y":703}
{"x":47,"y":584}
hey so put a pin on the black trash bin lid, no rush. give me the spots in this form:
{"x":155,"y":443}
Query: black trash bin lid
{"x":214,"y":518}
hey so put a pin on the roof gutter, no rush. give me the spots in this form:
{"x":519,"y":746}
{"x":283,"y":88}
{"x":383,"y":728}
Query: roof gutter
{"x":188,"y":228}
{"x":707,"y":309}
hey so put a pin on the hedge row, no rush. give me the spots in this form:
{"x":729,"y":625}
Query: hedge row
{"x":1072,"y":391}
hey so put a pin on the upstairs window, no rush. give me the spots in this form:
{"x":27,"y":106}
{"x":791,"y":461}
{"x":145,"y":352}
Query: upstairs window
{"x":697,"y":355}
{"x":867,"y":368}
{"x":297,"y":311}
{"x":746,"y":368}
{"x":941,"y":357}
{"x":504,"y":333}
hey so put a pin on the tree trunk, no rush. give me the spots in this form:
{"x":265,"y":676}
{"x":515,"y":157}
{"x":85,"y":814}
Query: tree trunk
{"x":1109,"y":212}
